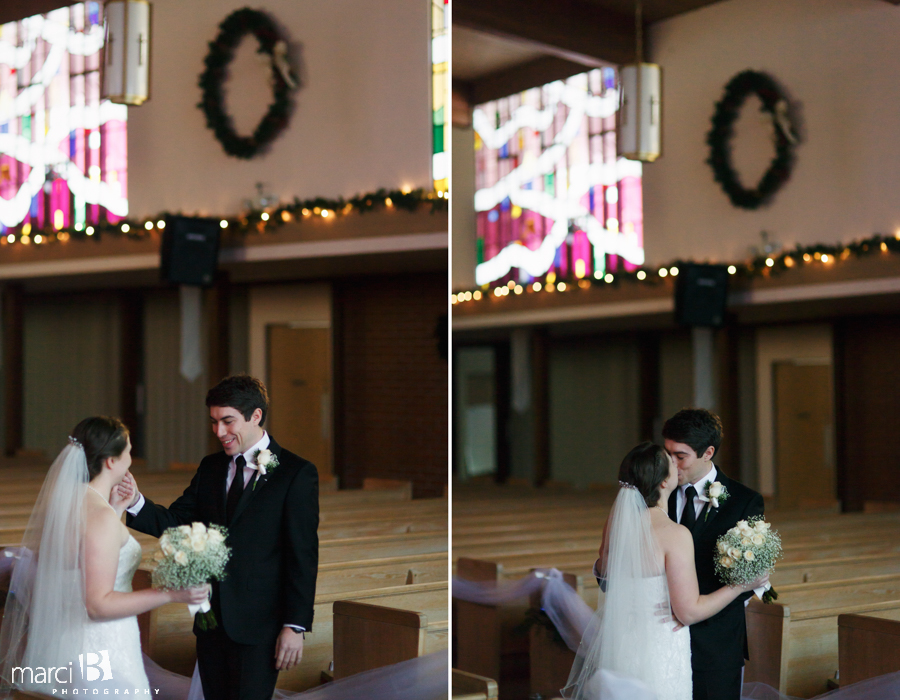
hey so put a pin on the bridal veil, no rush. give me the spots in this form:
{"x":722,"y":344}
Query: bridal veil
{"x":45,"y":614}
{"x":625,"y":629}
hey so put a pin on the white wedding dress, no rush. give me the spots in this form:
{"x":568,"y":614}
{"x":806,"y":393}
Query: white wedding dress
{"x":630,"y":649}
{"x":120,"y":638}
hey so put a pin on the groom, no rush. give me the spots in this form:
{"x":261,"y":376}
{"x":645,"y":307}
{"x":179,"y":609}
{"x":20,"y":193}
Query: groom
{"x":718,"y":644}
{"x":264,"y":605}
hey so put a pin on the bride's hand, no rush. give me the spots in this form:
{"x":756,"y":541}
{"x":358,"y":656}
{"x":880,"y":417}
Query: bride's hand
{"x":191,"y":596}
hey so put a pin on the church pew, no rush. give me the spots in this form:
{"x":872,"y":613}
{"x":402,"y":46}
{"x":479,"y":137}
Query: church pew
{"x":488,"y":638}
{"x":768,"y":643}
{"x":550,"y":660}
{"x":867,"y":647}
{"x":368,"y":636}
{"x":169,"y":641}
{"x":813,"y":627}
{"x":468,"y":686}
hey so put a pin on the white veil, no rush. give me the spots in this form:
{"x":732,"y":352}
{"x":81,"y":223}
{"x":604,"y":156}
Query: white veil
{"x":45,"y":614}
{"x":636,"y":603}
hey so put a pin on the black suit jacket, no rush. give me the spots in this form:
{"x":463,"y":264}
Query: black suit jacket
{"x":271,"y":576}
{"x":719,"y":642}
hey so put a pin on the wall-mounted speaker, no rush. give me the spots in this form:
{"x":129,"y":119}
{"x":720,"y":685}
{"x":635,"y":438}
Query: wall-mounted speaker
{"x":189,"y":253}
{"x":701,"y":293}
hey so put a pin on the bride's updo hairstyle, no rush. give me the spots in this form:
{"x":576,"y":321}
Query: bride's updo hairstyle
{"x":102,"y":437}
{"x":645,"y":467}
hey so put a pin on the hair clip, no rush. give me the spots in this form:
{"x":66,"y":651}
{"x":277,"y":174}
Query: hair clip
{"x":626,"y":485}
{"x":73,"y":441}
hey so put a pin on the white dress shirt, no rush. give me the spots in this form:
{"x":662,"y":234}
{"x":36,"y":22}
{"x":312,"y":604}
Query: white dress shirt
{"x":249,"y":457}
{"x":700,"y":499}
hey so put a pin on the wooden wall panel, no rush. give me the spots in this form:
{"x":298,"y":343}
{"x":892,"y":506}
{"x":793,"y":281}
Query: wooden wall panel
{"x":867,"y":391}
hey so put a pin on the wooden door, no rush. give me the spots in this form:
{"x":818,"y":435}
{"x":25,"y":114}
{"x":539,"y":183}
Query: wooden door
{"x":299,"y":361}
{"x":804,"y":430}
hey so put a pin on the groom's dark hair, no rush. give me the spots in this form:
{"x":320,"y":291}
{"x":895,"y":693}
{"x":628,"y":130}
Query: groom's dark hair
{"x":695,"y":427}
{"x":241,"y":392}
{"x":645,"y":467}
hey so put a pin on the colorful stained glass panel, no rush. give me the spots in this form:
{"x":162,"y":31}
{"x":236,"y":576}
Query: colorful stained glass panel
{"x":63,"y":150}
{"x":552,"y":199}
{"x":440,"y":58}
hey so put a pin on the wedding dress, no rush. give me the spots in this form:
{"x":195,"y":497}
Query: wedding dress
{"x":120,"y":638}
{"x":48,"y":644}
{"x":630,"y":647}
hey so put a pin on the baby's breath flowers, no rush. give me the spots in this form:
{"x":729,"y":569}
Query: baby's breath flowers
{"x":746,"y":552}
{"x":188,"y":556}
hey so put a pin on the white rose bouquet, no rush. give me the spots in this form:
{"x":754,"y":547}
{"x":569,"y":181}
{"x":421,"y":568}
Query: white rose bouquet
{"x":188,"y":556}
{"x":746,"y":552}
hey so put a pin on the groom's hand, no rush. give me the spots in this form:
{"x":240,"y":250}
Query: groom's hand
{"x":288,"y":649}
{"x":125,"y":494}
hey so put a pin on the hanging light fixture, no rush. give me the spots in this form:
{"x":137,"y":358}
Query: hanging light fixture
{"x":640,"y":116}
{"x":126,"y":64}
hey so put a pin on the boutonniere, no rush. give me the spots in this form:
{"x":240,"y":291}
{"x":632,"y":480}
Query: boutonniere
{"x":716,"y":493}
{"x":264,"y":462}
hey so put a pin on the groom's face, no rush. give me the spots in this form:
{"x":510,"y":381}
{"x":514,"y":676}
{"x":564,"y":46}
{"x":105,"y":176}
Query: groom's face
{"x":691,"y":467}
{"x":236,"y":433}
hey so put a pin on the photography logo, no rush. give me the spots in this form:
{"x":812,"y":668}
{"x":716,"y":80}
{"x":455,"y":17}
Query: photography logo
{"x":91,"y":666}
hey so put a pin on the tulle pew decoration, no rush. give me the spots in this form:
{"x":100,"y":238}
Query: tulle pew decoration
{"x":422,"y":678}
{"x":565,"y":608}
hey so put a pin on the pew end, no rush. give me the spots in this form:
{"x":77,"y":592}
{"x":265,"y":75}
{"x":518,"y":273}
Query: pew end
{"x":468,"y":686}
{"x":370,"y":636}
{"x":867,"y":647}
{"x":767,"y":639}
{"x":549,"y":660}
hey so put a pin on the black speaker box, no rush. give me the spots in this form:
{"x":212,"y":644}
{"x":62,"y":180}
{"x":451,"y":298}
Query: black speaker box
{"x":701,"y":293}
{"x":189,"y":253}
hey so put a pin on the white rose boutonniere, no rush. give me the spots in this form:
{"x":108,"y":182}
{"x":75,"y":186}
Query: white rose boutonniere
{"x":716,"y":493}
{"x":264,"y":462}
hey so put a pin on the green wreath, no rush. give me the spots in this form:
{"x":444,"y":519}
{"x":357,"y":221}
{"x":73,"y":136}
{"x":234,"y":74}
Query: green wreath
{"x":221,"y":51}
{"x":773,"y":102}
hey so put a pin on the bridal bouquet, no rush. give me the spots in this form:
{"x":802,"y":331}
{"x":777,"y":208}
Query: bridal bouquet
{"x":188,"y":556}
{"x":746,"y":552}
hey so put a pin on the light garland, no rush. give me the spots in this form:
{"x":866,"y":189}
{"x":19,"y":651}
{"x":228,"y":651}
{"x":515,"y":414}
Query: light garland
{"x":761,"y":266}
{"x":256,"y":221}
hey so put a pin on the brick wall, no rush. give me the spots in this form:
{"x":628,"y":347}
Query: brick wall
{"x":391,"y":381}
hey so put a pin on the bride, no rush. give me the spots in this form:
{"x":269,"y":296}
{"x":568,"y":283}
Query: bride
{"x":646,"y":568}
{"x":70,"y":621}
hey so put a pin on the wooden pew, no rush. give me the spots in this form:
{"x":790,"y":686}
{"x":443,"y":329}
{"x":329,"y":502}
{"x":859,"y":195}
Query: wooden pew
{"x":166,"y":632}
{"x":813,"y":628}
{"x":768,"y":643}
{"x":867,"y":647}
{"x":550,"y":660}
{"x":368,"y":636}
{"x":468,"y":686}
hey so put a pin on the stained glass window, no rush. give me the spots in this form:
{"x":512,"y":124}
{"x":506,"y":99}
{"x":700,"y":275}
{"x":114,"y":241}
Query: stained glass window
{"x":552,"y":198}
{"x":440,"y":57}
{"x":63,"y":150}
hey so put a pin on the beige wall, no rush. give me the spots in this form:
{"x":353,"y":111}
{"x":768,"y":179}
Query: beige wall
{"x":463,"y":209}
{"x":362,"y":120}
{"x":836,"y":59}
{"x":800,"y":342}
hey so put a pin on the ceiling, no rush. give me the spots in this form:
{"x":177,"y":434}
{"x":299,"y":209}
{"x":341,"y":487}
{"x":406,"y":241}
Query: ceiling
{"x":504,"y":46}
